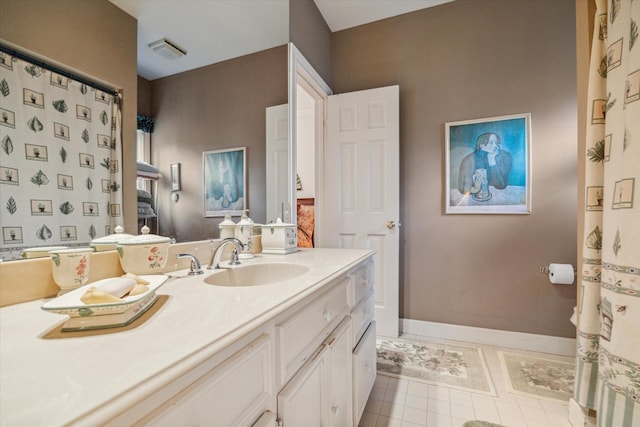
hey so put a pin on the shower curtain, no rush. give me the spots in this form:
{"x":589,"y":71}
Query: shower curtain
{"x":60,"y":159}
{"x":608,"y":341}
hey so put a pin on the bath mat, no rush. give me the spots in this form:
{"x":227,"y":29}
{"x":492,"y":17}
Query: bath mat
{"x":448,"y":365}
{"x":479,"y":423}
{"x":537,"y":377}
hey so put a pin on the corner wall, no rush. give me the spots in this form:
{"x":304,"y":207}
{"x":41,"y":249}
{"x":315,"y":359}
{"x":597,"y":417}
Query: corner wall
{"x":311,"y":35}
{"x":214,"y":107}
{"x":473,"y":59}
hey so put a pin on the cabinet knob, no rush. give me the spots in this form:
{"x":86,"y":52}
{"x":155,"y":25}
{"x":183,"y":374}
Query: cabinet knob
{"x":335,"y":409}
{"x":326,"y":315}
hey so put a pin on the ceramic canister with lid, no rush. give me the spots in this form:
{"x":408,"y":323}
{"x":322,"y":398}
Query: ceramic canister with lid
{"x":107,"y":243}
{"x":144,"y":254}
{"x":279,"y":238}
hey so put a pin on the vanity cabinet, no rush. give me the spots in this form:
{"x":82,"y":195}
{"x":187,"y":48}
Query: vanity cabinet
{"x":313,"y":365}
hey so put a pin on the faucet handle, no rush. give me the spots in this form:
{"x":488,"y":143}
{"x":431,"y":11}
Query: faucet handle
{"x":235,"y":259}
{"x":195,"y":267}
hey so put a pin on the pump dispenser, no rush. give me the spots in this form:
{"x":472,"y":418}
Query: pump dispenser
{"x":244,"y":233}
{"x":227,"y":227}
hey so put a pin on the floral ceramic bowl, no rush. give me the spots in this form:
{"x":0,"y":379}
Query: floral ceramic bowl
{"x":70,"y":267}
{"x":144,"y":254}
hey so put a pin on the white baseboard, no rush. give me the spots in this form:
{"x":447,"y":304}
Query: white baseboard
{"x":578,"y":416}
{"x":516,"y":340}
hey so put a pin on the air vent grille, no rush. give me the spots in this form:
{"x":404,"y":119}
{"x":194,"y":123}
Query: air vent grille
{"x":167,"y":49}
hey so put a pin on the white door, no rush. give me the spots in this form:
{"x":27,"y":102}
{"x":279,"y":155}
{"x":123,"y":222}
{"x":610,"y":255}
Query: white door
{"x":277,"y":153}
{"x":361,"y":188}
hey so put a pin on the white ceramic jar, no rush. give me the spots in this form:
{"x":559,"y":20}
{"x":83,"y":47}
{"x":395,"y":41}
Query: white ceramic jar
{"x":279,"y":238}
{"x":108,"y":243}
{"x":144,"y":254}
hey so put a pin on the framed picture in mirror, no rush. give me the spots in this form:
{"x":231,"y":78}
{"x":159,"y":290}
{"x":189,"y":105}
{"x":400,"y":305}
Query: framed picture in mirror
{"x":224,"y":174}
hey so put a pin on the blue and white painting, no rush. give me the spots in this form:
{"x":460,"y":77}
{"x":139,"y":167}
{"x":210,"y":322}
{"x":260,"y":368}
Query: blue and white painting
{"x":488,"y":165}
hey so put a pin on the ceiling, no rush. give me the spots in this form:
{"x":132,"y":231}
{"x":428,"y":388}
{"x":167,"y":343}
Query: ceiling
{"x":212,"y":31}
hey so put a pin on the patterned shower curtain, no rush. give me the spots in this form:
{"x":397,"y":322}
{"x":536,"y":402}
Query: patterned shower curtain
{"x":60,"y":159}
{"x":608,"y":342}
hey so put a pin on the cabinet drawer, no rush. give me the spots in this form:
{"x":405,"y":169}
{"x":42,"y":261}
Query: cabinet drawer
{"x":362,"y":282}
{"x":364,"y":371}
{"x":298,"y":336}
{"x":361,"y":316}
{"x":235,"y":393}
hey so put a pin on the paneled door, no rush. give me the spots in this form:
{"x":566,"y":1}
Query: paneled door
{"x":277,"y":153}
{"x":361,"y":188}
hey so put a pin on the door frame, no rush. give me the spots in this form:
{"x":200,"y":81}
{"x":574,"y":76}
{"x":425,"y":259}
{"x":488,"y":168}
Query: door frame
{"x":302,"y":73}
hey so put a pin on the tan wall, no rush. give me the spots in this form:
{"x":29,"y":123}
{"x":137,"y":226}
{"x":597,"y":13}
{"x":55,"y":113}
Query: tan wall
{"x":473,"y":59}
{"x":94,"y":39}
{"x":144,"y":96}
{"x":214,"y":107}
{"x":311,"y":35}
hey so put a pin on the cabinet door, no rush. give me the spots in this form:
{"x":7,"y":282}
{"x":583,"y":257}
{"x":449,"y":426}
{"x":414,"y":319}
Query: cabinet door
{"x":235,"y":393}
{"x":340,"y":374}
{"x":303,"y":401}
{"x":364,"y":371}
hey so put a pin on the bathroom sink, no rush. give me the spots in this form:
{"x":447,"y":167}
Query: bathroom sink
{"x":256,"y":274}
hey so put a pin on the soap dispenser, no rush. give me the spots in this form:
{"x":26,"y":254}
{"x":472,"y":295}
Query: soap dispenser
{"x":227,"y":228}
{"x":244,"y":233}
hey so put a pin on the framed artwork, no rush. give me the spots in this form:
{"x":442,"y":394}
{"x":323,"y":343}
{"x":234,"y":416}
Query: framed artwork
{"x":488,"y":165}
{"x":224,"y":182}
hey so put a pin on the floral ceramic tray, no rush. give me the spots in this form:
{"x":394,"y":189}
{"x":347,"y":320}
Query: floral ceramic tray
{"x":71,"y":305}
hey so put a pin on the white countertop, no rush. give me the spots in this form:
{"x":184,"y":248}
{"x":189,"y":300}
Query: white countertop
{"x":48,"y":377}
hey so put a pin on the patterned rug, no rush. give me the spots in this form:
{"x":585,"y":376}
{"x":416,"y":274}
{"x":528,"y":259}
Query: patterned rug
{"x":480,"y":423}
{"x":538,"y":378}
{"x":449,"y":365}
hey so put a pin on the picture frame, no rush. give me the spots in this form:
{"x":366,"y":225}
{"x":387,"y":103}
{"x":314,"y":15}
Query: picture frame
{"x":224,"y":173}
{"x":488,"y":165}
{"x":175,"y":176}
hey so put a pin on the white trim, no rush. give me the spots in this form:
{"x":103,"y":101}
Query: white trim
{"x":578,"y":417}
{"x":302,"y":72}
{"x":507,"y":339}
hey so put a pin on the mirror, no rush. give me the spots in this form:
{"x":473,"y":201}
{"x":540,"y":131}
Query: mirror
{"x":209,"y":229}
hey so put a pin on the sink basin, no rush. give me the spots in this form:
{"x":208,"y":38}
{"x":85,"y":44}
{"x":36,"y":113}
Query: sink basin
{"x":256,"y":274}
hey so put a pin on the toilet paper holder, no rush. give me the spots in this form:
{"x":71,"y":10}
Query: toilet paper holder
{"x":545,"y":270}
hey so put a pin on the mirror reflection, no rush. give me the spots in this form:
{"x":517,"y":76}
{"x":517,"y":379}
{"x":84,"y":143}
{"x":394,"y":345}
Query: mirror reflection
{"x":214,"y":107}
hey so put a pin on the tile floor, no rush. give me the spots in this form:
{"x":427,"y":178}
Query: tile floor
{"x":404,"y":403}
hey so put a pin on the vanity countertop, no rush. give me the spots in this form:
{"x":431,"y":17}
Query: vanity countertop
{"x":49,"y":377}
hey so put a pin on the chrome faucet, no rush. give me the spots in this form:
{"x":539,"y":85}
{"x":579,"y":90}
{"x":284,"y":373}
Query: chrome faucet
{"x":217,"y":253}
{"x":195,"y":267}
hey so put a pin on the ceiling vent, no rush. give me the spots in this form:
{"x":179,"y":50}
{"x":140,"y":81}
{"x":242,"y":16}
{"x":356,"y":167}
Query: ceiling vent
{"x":167,"y":49}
